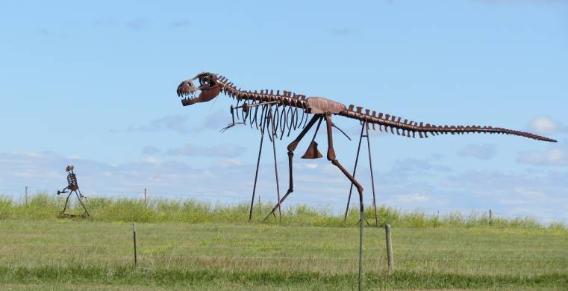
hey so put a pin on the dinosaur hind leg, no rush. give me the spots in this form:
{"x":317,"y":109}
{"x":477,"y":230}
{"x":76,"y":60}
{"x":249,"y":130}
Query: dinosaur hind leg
{"x":291,"y":147}
{"x":331,"y":157}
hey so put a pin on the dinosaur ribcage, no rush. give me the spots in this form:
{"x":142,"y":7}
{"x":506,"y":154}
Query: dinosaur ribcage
{"x":275,"y":118}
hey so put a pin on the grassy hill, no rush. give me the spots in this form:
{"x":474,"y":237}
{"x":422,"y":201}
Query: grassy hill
{"x":43,"y":206}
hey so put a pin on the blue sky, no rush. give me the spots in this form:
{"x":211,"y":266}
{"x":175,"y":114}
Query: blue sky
{"x":93,"y":84}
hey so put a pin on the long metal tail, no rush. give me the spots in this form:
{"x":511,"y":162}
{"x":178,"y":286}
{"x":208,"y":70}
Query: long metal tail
{"x":397,"y":125}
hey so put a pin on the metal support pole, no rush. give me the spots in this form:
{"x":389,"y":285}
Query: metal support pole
{"x":256,"y":174}
{"x":364,"y":134}
{"x":372,"y":176}
{"x":354,"y":172}
{"x":276,"y":172}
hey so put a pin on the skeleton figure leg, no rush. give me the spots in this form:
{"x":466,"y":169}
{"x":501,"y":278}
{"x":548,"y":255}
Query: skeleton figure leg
{"x":331,"y":157}
{"x":291,"y":147}
{"x":79,"y":196}
{"x":66,"y":202}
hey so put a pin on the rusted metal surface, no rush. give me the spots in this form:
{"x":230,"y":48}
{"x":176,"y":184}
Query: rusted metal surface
{"x":312,"y":152}
{"x":320,"y":105}
{"x":72,"y":188}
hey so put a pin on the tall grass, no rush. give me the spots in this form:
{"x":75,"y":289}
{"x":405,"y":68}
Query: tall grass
{"x":43,"y":206}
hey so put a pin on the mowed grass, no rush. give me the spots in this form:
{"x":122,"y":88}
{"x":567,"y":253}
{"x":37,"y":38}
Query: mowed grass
{"x":58,"y":254}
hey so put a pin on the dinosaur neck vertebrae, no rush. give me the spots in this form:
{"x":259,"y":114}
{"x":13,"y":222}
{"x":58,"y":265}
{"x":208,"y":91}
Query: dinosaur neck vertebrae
{"x":283,"y":112}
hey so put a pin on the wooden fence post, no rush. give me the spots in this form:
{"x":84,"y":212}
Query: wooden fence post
{"x":134,"y":242}
{"x":390,"y":257}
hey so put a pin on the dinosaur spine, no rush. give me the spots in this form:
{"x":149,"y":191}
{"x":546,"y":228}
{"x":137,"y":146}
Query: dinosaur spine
{"x":398,"y":126}
{"x":282,"y":108}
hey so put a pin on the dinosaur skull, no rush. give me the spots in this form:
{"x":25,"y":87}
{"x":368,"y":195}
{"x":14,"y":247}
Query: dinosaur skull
{"x":209,"y":88}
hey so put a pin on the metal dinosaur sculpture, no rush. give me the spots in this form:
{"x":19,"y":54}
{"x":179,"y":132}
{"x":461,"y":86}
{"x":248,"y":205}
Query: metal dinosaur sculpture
{"x":282,"y":112}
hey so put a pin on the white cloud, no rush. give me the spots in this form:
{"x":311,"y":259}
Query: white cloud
{"x":176,"y":123}
{"x":548,"y":125}
{"x":181,"y":23}
{"x":410,"y":184}
{"x":223,"y":150}
{"x":482,"y":152}
{"x":135,"y":24}
{"x":543,"y":124}
{"x":230,"y":162}
{"x":150,"y":150}
{"x":412,"y":167}
{"x":227,"y":181}
{"x":311,"y":166}
{"x":413,"y":198}
{"x":539,"y":194}
{"x":551,"y":157}
{"x":182,"y":124}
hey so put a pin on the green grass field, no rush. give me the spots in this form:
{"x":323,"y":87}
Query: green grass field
{"x":215,"y":248}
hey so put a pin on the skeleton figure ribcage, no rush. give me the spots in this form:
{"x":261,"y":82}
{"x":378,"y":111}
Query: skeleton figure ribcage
{"x":72,"y":182}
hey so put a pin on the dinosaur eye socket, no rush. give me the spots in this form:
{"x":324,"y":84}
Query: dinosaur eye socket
{"x":204,"y":81}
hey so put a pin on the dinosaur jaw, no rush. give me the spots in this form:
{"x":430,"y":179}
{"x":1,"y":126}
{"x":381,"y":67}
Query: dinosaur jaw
{"x":187,"y":92}
{"x":191,"y":95}
{"x":189,"y":100}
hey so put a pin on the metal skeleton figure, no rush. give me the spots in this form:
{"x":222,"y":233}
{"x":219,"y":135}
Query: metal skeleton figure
{"x":289,"y":111}
{"x":72,"y":188}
